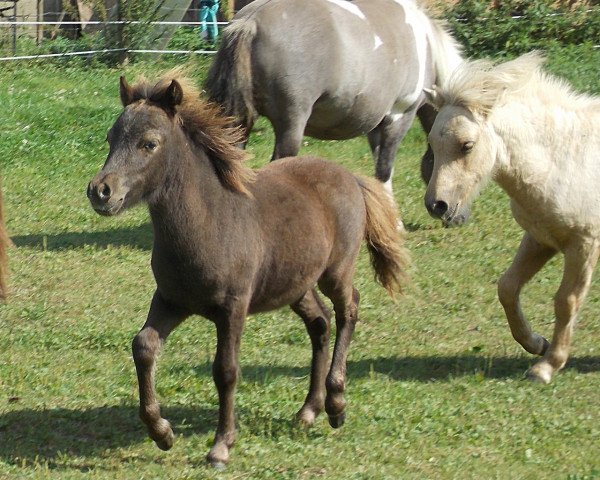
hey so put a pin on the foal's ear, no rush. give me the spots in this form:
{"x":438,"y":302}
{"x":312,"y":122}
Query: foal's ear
{"x":170,"y":97}
{"x":126,"y":92}
{"x":433,"y":97}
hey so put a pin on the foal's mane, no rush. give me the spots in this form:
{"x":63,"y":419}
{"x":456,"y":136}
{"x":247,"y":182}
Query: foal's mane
{"x":480,"y":85}
{"x":207,"y":128}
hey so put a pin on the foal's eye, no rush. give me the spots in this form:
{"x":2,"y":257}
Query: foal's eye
{"x":467,"y":146}
{"x":150,"y":146}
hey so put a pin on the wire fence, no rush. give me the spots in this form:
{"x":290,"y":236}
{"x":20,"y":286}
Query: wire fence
{"x":12,"y":22}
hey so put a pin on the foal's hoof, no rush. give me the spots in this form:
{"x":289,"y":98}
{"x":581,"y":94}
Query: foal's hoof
{"x":306,"y":417}
{"x":166,"y":443}
{"x":336,"y":421}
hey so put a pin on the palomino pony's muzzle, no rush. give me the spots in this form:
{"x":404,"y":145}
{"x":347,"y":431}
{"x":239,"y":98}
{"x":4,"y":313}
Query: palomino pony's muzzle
{"x":451,"y":216}
{"x":106,"y":194}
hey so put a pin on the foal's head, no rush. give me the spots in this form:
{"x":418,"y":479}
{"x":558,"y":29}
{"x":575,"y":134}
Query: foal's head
{"x":150,"y":137}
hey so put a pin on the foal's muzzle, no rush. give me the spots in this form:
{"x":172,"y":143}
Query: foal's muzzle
{"x":106,"y":195}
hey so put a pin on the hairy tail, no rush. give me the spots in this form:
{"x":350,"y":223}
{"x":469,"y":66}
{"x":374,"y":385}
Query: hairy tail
{"x":229,"y":80}
{"x":4,"y":243}
{"x":384,"y":236}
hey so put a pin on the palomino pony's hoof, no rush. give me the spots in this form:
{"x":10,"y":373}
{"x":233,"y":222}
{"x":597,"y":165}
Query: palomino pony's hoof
{"x":220,"y":466}
{"x":540,"y":373}
{"x":336,"y":421}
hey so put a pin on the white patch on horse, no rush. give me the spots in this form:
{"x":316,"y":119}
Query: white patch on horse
{"x":378,"y":42}
{"x":349,"y":7}
{"x":418,"y":22}
{"x":388,"y":185}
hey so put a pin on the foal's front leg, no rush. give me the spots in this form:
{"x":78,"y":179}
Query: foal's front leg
{"x":225,"y":373}
{"x":530,"y":258}
{"x":162,"y":319}
{"x":580,"y":261}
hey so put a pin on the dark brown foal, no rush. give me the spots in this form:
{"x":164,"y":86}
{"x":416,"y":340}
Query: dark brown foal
{"x":229,"y":242}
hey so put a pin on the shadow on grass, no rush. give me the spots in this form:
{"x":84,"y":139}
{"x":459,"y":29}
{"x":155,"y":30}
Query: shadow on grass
{"x":137,"y":237}
{"x":44,"y":436}
{"x":421,"y":369}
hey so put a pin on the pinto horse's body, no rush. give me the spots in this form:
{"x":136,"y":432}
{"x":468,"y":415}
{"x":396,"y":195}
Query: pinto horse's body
{"x":229,"y":242}
{"x":540,"y":142}
{"x":332,"y":69}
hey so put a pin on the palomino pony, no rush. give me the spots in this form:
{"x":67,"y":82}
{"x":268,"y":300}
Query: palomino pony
{"x":540,"y":142}
{"x":333,"y":69}
{"x":4,"y":244}
{"x":229,"y":242}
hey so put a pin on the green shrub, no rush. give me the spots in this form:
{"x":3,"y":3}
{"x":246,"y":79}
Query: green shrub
{"x":539,"y":24}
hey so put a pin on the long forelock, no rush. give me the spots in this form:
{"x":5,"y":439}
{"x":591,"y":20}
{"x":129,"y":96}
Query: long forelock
{"x":206,"y":127}
{"x":480,"y":85}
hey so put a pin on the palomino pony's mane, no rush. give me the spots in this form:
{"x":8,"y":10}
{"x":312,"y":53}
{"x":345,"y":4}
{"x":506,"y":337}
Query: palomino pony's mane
{"x":207,"y":127}
{"x":480,"y":85}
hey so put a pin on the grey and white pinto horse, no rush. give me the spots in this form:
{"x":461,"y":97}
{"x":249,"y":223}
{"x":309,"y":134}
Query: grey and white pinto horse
{"x":333,"y":70}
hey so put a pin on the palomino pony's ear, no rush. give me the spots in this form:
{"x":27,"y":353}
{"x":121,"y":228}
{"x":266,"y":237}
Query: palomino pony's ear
{"x":126,"y":92}
{"x":170,"y":97}
{"x":433,"y":97}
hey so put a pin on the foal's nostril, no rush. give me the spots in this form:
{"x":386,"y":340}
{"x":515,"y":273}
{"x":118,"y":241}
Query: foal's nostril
{"x":103,"y":191}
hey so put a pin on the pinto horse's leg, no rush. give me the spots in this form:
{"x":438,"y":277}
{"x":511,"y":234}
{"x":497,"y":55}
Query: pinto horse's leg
{"x":316,"y":318}
{"x":225,"y":373}
{"x":162,"y":319}
{"x":427,"y":114}
{"x":530,"y":258}
{"x":580,"y":261}
{"x":384,"y":141}
{"x":345,"y":300}
{"x":289,"y":125}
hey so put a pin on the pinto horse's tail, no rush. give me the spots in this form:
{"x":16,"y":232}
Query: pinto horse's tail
{"x":4,"y":243}
{"x":229,"y":80}
{"x":385,"y":236}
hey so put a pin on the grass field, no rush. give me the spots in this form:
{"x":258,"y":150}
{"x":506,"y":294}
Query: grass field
{"x":435,"y":381}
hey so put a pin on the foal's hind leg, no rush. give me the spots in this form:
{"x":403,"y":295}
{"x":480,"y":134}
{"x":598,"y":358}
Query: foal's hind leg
{"x":162,"y":319}
{"x":316,"y":318}
{"x":345,"y":300}
{"x":580,"y":261}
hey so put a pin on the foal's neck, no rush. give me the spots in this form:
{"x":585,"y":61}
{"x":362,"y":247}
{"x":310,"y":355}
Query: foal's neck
{"x":193,"y":201}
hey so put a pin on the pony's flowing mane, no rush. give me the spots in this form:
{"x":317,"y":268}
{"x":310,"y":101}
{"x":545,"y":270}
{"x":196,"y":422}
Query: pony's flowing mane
{"x":206,"y":126}
{"x":480,"y":85}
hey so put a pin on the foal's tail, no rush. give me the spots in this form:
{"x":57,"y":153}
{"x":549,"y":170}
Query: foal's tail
{"x":385,"y":236}
{"x":4,"y":243}
{"x":229,"y":80}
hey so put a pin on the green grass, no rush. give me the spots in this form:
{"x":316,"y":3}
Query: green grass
{"x":435,"y":386}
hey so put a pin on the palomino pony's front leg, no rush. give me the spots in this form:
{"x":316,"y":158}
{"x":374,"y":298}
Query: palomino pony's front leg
{"x":530,"y":258}
{"x":225,"y":372}
{"x":162,"y":319}
{"x":580,"y":261}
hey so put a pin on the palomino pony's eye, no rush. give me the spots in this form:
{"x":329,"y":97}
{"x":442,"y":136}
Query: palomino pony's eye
{"x":467,"y":146}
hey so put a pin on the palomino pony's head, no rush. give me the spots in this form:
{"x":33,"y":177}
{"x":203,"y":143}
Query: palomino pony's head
{"x":147,"y":141}
{"x":463,"y":140}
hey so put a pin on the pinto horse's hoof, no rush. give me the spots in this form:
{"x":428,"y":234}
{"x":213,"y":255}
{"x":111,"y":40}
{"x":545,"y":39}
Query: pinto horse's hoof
{"x":336,"y":421}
